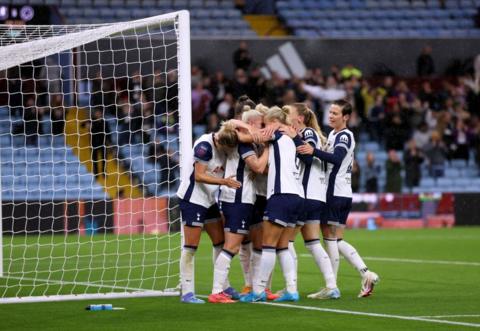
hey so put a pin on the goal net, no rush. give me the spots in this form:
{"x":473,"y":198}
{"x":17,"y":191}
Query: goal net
{"x":94,"y":120}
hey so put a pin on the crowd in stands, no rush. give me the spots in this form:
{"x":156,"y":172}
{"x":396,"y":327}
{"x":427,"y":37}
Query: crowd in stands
{"x":430,"y":119}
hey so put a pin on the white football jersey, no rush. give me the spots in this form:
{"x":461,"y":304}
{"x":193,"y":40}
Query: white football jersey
{"x":235,"y":166}
{"x":313,"y":175}
{"x":260,"y":182}
{"x":284,"y":167}
{"x":204,"y":151}
{"x":340,"y":177}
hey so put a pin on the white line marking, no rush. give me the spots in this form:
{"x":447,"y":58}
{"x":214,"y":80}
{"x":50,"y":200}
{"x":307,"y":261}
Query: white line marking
{"x":448,"y":316}
{"x":391,"y":259}
{"x":361,"y":313}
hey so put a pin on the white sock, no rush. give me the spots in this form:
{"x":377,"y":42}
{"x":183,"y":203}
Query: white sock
{"x":332,"y":250}
{"x":269,"y":282}
{"x":255,"y":272}
{"x":293,"y":252}
{"x":187,"y":262}
{"x":245,"y":255}
{"x":288,"y":269}
{"x":220,"y":271}
{"x":351,"y":255}
{"x":217,"y":249}
{"x":323,"y":262}
{"x":267,"y":263}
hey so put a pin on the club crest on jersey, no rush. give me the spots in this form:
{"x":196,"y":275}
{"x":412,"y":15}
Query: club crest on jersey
{"x":344,"y":139}
{"x":218,"y":170}
{"x":308,"y":134}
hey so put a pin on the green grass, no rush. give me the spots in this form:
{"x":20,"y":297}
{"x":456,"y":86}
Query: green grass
{"x":406,"y":288}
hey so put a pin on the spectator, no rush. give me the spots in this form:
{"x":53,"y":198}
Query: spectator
{"x":425,"y":65}
{"x":421,"y":136}
{"x":240,"y":83}
{"x":436,"y":153}
{"x":356,"y":173}
{"x":135,"y":88}
{"x":397,"y":131}
{"x":164,"y":161}
{"x":376,"y":116}
{"x":462,"y":139}
{"x":225,"y":108}
{"x":393,"y":167}
{"x":413,"y":159}
{"x":99,"y":140}
{"x":371,"y":174}
{"x":241,"y":57}
{"x":350,"y":71}
{"x":57,"y":115}
{"x":200,"y":103}
{"x":32,"y":124}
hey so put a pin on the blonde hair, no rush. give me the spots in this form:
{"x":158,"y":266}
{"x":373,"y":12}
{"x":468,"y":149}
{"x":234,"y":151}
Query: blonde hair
{"x":250,"y":113}
{"x":310,"y":119}
{"x":277,"y":113}
{"x":262,"y":109}
{"x":227,"y":135}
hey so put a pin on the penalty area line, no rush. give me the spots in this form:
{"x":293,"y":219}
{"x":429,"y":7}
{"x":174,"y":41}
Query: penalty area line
{"x":359,"y":313}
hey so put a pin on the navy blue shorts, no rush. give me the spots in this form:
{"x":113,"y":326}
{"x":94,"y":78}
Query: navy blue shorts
{"x":237,"y":216}
{"x":313,"y":212}
{"x":337,"y":211}
{"x":196,"y":215}
{"x":258,"y":210}
{"x":284,"y":209}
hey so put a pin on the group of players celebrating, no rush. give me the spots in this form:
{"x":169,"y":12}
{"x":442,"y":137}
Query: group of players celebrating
{"x":254,"y":184}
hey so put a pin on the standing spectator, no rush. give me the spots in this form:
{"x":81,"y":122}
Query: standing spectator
{"x":436,"y":153}
{"x":225,"y":108}
{"x":32,"y":123}
{"x":99,"y":140}
{"x":240,"y":83}
{"x":356,"y":174}
{"x":413,"y":159}
{"x":397,"y":132}
{"x":57,"y":115}
{"x":163,"y":160}
{"x":371,"y":174}
{"x":376,"y":116}
{"x":241,"y":57}
{"x":393,"y":166}
{"x":200,"y":103}
{"x":421,"y":136}
{"x":425,"y":65}
{"x":462,"y":139}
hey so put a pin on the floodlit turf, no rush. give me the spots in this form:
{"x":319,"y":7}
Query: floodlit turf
{"x":445,"y":284}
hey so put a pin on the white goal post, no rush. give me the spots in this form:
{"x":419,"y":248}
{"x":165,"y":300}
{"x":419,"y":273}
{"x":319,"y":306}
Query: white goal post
{"x":81,"y":219}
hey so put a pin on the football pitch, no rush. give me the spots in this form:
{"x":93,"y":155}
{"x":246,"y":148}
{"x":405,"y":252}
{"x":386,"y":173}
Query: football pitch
{"x":430,"y":280}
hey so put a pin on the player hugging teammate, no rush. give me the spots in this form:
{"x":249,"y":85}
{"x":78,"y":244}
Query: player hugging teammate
{"x":276,"y":163}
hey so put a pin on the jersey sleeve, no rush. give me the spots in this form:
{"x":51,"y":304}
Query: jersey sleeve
{"x":245,"y":150}
{"x":310,"y":137}
{"x":203,"y":152}
{"x":343,"y":140}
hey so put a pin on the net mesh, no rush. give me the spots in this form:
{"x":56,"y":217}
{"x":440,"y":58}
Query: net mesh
{"x":89,"y":157}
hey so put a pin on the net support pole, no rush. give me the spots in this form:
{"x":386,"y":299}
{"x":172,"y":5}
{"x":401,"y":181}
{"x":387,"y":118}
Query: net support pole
{"x":184,"y":94}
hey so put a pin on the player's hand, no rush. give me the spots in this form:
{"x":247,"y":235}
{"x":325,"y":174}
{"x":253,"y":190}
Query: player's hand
{"x":257,"y":135}
{"x":288,"y":130}
{"x":268,"y":131}
{"x":232,"y":182}
{"x":306,"y":149}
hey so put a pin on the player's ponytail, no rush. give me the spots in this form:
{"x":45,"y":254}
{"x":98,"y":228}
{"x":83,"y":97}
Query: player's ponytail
{"x":310,"y":120}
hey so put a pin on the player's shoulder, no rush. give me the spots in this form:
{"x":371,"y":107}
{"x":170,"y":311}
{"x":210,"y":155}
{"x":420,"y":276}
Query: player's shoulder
{"x":309,"y":133}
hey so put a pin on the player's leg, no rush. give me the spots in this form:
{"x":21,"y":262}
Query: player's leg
{"x":369,"y":278}
{"x":287,"y":265}
{"x":256,"y":237}
{"x":245,"y":256}
{"x":329,"y":226}
{"x":192,"y":217}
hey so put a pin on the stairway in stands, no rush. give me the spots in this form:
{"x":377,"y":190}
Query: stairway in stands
{"x":117,"y":181}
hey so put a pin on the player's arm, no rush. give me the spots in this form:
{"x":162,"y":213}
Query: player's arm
{"x":292,"y":133}
{"x":203,"y":153}
{"x":255,"y":163}
{"x":341,"y":146}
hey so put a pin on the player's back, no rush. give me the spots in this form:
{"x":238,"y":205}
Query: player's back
{"x":284,"y":167}
{"x":313,"y":175}
{"x":205,"y":152}
{"x":339,"y":176}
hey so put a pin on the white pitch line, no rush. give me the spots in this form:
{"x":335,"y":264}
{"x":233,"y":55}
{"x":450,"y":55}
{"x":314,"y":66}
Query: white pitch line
{"x":359,"y":313}
{"x":448,"y":316}
{"x":416,"y":261}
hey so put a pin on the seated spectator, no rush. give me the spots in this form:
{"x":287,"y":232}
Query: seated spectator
{"x":436,"y":153}
{"x":371,"y":174}
{"x":413,"y":159}
{"x":393,"y":167}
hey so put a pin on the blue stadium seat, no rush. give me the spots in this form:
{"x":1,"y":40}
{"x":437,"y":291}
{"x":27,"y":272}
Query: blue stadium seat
{"x":427,"y":182}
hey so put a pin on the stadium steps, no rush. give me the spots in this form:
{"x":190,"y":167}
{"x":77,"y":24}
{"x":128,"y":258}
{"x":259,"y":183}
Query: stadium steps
{"x":266,"y":25}
{"x":77,"y":137}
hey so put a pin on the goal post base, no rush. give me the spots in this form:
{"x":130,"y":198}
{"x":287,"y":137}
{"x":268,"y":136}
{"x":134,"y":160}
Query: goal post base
{"x":93,"y":296}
